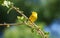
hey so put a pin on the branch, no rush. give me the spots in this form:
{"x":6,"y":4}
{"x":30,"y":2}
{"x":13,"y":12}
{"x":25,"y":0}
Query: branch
{"x":11,"y":24}
{"x":33,"y":24}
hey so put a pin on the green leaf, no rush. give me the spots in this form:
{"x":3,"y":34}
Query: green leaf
{"x":32,"y":30}
{"x":46,"y":33}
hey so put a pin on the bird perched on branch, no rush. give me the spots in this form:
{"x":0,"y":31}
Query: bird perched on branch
{"x":33,"y":17}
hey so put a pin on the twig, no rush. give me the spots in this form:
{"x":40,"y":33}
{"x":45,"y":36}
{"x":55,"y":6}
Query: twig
{"x":9,"y":10}
{"x":11,"y":24}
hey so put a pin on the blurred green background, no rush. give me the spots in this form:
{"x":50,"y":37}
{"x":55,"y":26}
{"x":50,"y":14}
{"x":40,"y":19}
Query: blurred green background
{"x":47,"y":10}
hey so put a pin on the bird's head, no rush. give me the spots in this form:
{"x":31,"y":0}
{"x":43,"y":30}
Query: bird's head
{"x":34,"y":14}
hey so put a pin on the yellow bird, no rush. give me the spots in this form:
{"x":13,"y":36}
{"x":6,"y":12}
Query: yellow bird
{"x":33,"y":17}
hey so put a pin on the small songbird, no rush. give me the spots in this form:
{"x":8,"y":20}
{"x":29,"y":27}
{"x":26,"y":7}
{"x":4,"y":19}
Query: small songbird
{"x":33,"y":17}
